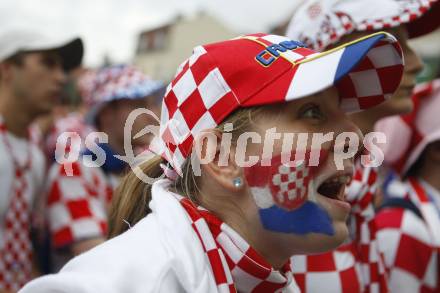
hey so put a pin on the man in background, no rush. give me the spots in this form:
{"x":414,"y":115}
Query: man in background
{"x":32,"y":72}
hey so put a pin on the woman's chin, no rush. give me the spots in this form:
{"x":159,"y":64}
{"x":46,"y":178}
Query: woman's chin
{"x":320,"y":243}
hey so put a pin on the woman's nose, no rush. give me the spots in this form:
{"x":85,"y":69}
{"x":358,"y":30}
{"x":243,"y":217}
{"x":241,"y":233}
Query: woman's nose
{"x":349,"y":137}
{"x":413,"y":63}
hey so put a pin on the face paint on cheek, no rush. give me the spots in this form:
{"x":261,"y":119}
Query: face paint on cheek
{"x":284,"y":194}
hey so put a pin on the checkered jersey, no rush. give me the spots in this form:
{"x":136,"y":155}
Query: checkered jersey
{"x":236,"y":266}
{"x":333,"y":272}
{"x":408,"y":243}
{"x":77,"y":205}
{"x":353,"y":267}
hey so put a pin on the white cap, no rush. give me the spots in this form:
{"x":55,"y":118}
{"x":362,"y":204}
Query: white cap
{"x":23,"y":39}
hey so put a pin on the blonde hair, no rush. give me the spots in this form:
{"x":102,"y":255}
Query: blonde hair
{"x":130,"y":202}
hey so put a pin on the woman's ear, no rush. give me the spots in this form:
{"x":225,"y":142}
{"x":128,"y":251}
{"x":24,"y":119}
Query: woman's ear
{"x":216,"y":157}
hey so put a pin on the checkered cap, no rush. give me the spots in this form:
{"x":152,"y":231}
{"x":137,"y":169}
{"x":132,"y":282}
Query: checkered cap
{"x":408,"y":135}
{"x":263,"y":69}
{"x":320,"y":23}
{"x":115,"y":83}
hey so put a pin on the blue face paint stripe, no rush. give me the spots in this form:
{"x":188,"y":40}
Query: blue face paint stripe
{"x":353,"y":54}
{"x":309,"y":218}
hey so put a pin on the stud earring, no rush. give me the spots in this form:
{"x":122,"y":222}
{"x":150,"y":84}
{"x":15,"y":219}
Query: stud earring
{"x":237,"y":182}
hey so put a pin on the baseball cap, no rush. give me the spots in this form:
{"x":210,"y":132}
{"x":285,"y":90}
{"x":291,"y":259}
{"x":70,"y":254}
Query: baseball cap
{"x":260,"y":69}
{"x":320,"y":23}
{"x":116,"y":82}
{"x":23,"y":39}
{"x":408,"y":135}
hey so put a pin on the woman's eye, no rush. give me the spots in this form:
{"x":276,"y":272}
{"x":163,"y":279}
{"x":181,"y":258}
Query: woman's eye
{"x":312,"y":112}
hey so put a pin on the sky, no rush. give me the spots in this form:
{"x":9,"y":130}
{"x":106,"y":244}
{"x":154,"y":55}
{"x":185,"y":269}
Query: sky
{"x":111,"y":27}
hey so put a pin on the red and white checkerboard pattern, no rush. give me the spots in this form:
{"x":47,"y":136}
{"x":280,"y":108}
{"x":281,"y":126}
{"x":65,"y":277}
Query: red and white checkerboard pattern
{"x":16,"y":253}
{"x":77,"y":205}
{"x":332,"y":272}
{"x":408,"y":11}
{"x":321,"y":23}
{"x":19,"y":184}
{"x":354,"y":267}
{"x":285,"y":184}
{"x":235,"y":265}
{"x":195,"y":100}
{"x":408,"y":135}
{"x":372,"y":81}
{"x":333,"y":27}
{"x":361,"y":194}
{"x":408,"y":243}
{"x":290,"y":185}
{"x":116,"y":82}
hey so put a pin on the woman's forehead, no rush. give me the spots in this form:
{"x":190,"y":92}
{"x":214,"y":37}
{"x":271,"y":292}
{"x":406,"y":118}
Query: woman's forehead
{"x":326,"y":96}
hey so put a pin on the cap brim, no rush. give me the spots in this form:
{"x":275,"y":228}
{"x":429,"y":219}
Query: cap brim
{"x":71,"y":54}
{"x":70,"y":51}
{"x":366,"y":72}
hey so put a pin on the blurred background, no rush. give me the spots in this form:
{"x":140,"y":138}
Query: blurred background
{"x":157,"y":35}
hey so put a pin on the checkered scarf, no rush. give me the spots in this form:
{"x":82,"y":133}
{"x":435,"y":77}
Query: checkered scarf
{"x":236,"y":266}
{"x":16,"y":253}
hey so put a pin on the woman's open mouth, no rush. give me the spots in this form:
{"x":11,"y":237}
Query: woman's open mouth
{"x":334,"y":187}
{"x":332,"y":191}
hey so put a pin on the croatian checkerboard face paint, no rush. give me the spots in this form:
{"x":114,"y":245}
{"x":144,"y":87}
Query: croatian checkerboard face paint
{"x":285,"y":194}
